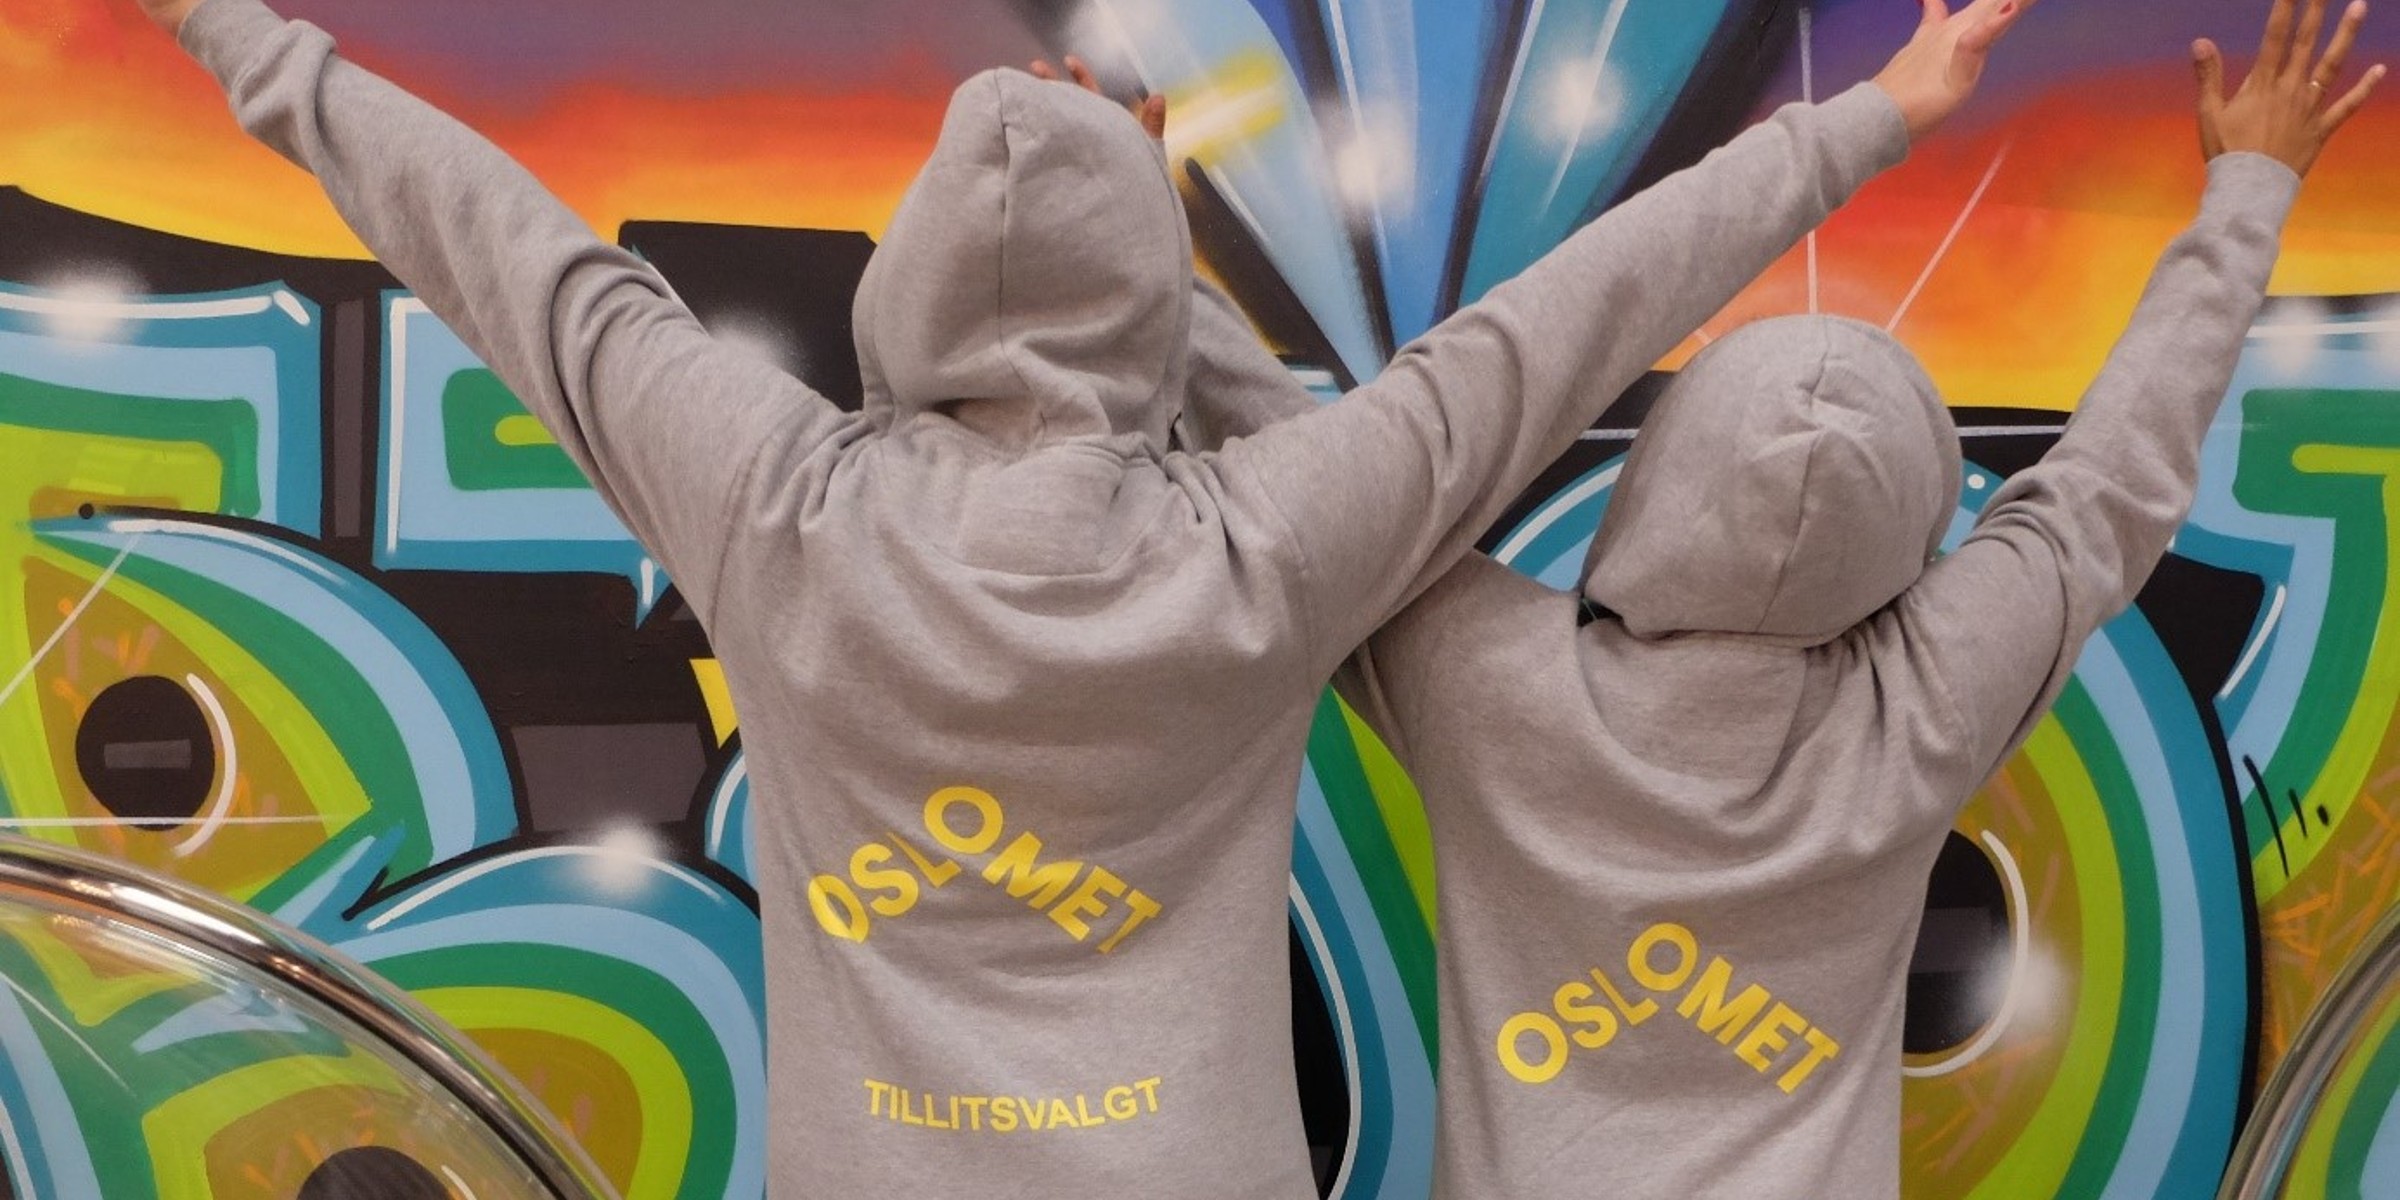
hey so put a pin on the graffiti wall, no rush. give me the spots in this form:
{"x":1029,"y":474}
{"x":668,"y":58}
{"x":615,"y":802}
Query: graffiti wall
{"x":296,"y":602}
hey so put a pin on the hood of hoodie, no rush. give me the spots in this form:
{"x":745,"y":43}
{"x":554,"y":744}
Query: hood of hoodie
{"x":1791,"y":481}
{"x":1035,"y":282}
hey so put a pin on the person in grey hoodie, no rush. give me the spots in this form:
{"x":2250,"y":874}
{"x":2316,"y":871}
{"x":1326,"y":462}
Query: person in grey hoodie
{"x":1024,"y":689}
{"x":1683,"y":822}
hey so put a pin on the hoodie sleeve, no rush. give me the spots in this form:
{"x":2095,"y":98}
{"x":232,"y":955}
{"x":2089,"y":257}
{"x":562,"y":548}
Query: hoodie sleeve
{"x":2067,"y":543}
{"x":1385,"y":490}
{"x":665,"y":421}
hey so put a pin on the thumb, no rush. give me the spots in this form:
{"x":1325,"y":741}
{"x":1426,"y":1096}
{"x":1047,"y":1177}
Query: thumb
{"x":2208,"y":64}
{"x":1936,"y":12}
{"x":1154,"y":117}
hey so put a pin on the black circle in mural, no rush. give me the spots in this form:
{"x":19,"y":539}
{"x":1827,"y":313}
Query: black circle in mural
{"x":145,"y":750}
{"x":371,"y":1173}
{"x":1959,"y":971}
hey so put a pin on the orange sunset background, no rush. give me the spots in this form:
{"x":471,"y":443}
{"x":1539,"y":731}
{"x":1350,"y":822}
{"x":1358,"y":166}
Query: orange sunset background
{"x":102,"y":113}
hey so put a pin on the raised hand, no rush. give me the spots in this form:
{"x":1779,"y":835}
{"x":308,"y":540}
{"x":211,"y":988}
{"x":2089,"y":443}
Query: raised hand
{"x":2282,"y":109}
{"x":169,"y":14}
{"x":1151,"y":111}
{"x":1937,"y":70}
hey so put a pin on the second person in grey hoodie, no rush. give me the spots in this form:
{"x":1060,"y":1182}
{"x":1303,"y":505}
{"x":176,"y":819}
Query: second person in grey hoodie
{"x":1683,"y":823}
{"x":1024,"y":689}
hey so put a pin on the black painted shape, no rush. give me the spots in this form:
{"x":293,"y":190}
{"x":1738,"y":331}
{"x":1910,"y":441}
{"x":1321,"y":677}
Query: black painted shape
{"x":42,"y":243}
{"x":2005,"y":454}
{"x":146,"y":751}
{"x":790,"y":287}
{"x":2204,"y":615}
{"x":2266,"y":800}
{"x":562,"y":650}
{"x":1317,"y":1059}
{"x":371,"y":1173}
{"x":578,"y":777}
{"x":1961,"y":946}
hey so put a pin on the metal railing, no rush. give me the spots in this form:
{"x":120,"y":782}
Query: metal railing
{"x":2264,"y":1155}
{"x":215,"y":928}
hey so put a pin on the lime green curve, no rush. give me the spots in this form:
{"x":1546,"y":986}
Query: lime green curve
{"x":2330,"y":454}
{"x":666,"y":1100}
{"x":1350,"y":794}
{"x":646,"y":1000}
{"x":2039,"y":1160}
{"x":1403,"y":812}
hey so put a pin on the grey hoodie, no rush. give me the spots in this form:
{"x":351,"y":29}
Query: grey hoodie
{"x":1683,"y":824}
{"x":1024,"y":691}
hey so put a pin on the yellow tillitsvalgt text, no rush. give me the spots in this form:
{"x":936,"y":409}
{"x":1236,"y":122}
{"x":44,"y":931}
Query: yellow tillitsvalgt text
{"x":1763,"y":1032}
{"x":887,"y":877}
{"x":1012,"y":1114}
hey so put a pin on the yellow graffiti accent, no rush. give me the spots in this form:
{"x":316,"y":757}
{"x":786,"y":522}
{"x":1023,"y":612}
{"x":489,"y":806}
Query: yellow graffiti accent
{"x":709,"y":674}
{"x":1244,"y":97}
{"x":522,"y":429}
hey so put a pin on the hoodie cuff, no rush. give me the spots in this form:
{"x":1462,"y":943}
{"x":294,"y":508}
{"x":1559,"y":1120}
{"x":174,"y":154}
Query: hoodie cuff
{"x":2250,"y":184}
{"x":1866,"y":120}
{"x":228,"y":35}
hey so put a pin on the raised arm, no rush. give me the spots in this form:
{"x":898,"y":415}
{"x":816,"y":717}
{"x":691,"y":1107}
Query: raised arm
{"x":1384,"y":490}
{"x":664,"y":420}
{"x":2067,"y":543}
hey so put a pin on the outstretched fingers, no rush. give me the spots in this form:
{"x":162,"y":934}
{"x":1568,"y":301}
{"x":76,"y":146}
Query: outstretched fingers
{"x":2351,"y":101}
{"x":2208,"y":63}
{"x":2328,"y":70}
{"x":2275,"y":49}
{"x":2304,"y":41}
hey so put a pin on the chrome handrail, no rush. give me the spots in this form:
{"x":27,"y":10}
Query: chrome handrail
{"x":2268,"y":1143}
{"x":216,"y":926}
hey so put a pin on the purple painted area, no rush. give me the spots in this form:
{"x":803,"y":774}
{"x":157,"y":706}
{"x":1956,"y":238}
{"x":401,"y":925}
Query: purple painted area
{"x":2058,"y":40}
{"x":519,"y":53}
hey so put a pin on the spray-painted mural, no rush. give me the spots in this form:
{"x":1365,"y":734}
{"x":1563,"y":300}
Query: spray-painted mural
{"x":296,"y":602}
